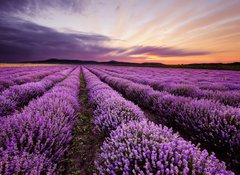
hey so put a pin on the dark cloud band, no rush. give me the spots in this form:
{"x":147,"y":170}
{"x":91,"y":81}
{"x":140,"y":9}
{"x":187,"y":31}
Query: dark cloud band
{"x":32,"y":7}
{"x":25,"y":41}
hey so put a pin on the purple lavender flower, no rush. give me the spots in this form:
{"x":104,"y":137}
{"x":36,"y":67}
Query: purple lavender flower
{"x":20,"y":95}
{"x":35,"y":140}
{"x":145,"y":148}
{"x":209,"y":122}
{"x":110,"y":108}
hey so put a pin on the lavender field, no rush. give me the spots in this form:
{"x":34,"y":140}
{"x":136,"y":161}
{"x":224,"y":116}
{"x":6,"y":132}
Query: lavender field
{"x":119,"y":120}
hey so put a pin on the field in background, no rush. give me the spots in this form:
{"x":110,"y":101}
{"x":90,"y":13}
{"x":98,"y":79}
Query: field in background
{"x":24,"y":65}
{"x":73,"y":119}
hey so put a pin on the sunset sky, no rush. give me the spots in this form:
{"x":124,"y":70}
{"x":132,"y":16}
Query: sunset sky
{"x":166,"y":31}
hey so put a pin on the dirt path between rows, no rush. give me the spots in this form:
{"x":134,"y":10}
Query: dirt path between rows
{"x":85,"y":142}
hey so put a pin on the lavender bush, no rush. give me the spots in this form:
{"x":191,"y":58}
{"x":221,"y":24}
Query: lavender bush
{"x":110,"y":108}
{"x":231,"y":98}
{"x":42,"y":131}
{"x":214,"y":125}
{"x":23,"y":75}
{"x":25,"y":163}
{"x":145,"y":148}
{"x":19,"y":95}
{"x":203,"y":79}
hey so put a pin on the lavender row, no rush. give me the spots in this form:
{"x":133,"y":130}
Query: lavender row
{"x":12,"y":70}
{"x":17,"y":96}
{"x":215,"y":126}
{"x":204,"y":79}
{"x":146,"y":148}
{"x":34,"y":76}
{"x":137,"y":146}
{"x":24,"y":77}
{"x":110,"y":108}
{"x":35,"y":141}
{"x":231,"y":98}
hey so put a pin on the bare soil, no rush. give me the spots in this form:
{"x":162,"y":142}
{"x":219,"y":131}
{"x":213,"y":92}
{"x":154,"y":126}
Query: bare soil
{"x":86,"y":142}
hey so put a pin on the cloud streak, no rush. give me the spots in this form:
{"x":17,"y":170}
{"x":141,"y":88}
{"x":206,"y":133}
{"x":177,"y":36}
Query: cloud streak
{"x":25,"y":41}
{"x":22,"y":40}
{"x":32,"y":7}
{"x":165,"y":51}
